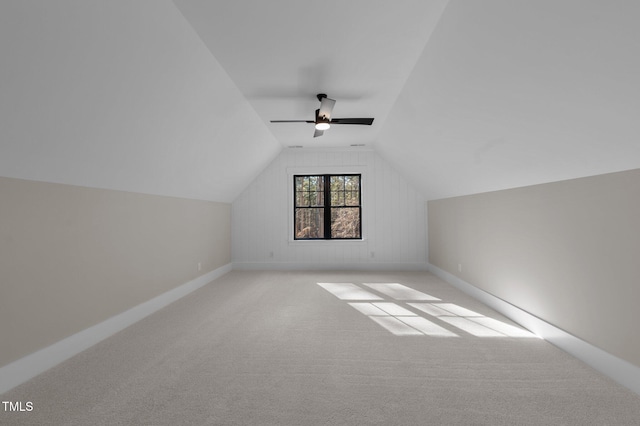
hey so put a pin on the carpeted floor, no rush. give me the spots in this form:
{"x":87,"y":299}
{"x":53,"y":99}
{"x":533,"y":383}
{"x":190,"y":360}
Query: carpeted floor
{"x":276,"y":348}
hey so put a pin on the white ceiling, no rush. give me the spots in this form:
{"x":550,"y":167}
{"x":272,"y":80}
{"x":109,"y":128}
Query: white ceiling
{"x":509,"y":93}
{"x":122,"y":95}
{"x":280,"y":54}
{"x":175,"y":98}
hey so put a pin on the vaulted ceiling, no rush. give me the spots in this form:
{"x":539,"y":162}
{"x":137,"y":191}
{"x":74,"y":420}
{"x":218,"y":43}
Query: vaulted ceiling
{"x":176,"y":98}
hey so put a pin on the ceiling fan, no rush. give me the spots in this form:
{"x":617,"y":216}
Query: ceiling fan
{"x":323,"y":117}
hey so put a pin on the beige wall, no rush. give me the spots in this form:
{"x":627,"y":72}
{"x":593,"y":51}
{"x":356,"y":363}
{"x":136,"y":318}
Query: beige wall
{"x":567,"y":252}
{"x":71,"y":257}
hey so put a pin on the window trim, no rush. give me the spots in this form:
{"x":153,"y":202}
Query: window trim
{"x":328,"y":207}
{"x":365,"y":202}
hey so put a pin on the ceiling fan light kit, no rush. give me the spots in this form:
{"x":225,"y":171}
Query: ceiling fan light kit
{"x":323,"y":120}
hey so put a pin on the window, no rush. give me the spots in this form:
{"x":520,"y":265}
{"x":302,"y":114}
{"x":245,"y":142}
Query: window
{"x":327,"y":207}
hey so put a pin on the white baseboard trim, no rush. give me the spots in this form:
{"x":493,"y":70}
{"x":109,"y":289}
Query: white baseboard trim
{"x":311,"y":266}
{"x":25,"y":368}
{"x":616,"y":368}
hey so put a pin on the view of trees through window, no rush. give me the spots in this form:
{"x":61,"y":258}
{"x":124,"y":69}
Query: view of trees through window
{"x":327,"y":207}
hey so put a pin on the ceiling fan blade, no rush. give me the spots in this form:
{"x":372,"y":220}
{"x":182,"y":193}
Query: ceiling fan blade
{"x":292,"y":121}
{"x":318,"y":133}
{"x":366,"y":121}
{"x":326,"y":106}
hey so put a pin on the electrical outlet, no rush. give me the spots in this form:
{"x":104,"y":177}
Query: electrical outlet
{"x":459,"y":267}
{"x":199,"y":266}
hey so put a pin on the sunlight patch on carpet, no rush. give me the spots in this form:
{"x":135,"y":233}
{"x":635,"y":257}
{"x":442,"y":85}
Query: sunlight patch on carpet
{"x":393,"y":309}
{"x":399,"y":291}
{"x":470,"y":321}
{"x":396,"y":326}
{"x":402,"y":321}
{"x":348,"y":291}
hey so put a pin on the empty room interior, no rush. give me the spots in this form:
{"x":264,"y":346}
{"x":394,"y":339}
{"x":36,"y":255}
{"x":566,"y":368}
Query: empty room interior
{"x":305,"y":213}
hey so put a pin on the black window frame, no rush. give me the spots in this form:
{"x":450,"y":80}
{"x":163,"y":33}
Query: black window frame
{"x":327,"y":206}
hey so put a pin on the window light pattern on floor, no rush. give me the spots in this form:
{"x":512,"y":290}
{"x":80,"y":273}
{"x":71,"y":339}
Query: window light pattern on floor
{"x":404,"y":322}
{"x":400,"y":321}
{"x":399,"y":291}
{"x":348,"y":291}
{"x":469,"y":321}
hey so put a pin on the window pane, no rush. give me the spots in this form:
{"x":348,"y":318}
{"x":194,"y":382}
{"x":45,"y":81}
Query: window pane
{"x":299,"y":180}
{"x":309,"y":223}
{"x":300,"y":199}
{"x":352,"y":198}
{"x":337,"y":183}
{"x":337,"y":198}
{"x":318,"y":199}
{"x":313,"y":183}
{"x":352,"y":183}
{"x":345,"y":222}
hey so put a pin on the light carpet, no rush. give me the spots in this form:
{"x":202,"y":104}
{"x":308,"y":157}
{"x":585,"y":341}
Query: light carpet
{"x":276,"y":348}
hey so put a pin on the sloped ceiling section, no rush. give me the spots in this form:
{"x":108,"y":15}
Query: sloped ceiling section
{"x":281,"y":53}
{"x":508,"y":94}
{"x":175,"y":98}
{"x":122,"y":95}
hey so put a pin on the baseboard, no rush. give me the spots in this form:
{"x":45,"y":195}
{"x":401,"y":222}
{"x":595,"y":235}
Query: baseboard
{"x":311,"y":266}
{"x":25,"y":368}
{"x":616,"y":368}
